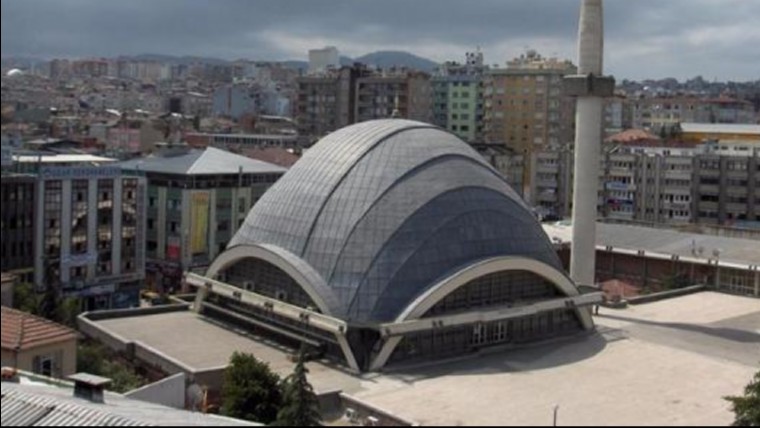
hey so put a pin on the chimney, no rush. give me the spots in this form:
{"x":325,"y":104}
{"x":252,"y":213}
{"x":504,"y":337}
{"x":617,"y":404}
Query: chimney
{"x":89,"y":387}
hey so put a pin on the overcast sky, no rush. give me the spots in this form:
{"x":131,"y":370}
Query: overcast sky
{"x":644,"y":38}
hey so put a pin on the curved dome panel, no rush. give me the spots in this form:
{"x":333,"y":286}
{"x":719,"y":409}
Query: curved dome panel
{"x":384,"y":209}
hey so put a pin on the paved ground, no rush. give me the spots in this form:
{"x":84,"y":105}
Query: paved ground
{"x":665,"y":363}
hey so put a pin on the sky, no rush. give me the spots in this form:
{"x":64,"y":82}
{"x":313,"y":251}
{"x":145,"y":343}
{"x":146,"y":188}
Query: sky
{"x":717,"y":39}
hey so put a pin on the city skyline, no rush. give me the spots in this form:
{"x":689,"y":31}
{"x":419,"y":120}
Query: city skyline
{"x":678,"y":38}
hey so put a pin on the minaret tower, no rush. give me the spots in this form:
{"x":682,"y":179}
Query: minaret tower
{"x":590,"y":87}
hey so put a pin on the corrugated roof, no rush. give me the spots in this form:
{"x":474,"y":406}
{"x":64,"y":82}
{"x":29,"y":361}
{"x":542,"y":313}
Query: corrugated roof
{"x":22,"y":331}
{"x":45,"y":405}
{"x":202,"y":162}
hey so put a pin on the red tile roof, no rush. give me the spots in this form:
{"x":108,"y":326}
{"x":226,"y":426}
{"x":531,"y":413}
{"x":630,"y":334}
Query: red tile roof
{"x":633,"y":136}
{"x":23,"y":331}
{"x":274,"y":155}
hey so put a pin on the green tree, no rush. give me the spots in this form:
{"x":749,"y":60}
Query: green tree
{"x":300,"y":407}
{"x":747,"y":408}
{"x":251,"y":390}
{"x":25,"y":299}
{"x":95,"y":359}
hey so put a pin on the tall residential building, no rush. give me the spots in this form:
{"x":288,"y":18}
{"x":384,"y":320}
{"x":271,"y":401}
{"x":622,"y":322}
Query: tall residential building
{"x":526,"y":109}
{"x":321,"y":60}
{"x":337,"y":98}
{"x":196,"y":200}
{"x":326,"y":102}
{"x":378,"y":95}
{"x":19,"y":193}
{"x":90,"y":235}
{"x":458,"y":97}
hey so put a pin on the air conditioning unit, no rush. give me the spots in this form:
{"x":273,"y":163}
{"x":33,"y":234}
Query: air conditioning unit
{"x":371,"y":421}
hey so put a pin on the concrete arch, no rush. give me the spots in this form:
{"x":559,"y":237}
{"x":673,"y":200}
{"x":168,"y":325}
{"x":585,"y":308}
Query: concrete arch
{"x":440,"y":291}
{"x":308,"y":279}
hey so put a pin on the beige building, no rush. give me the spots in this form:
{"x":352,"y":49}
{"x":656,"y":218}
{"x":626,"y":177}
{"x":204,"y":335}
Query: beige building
{"x":36,"y":345}
{"x":525,"y":108}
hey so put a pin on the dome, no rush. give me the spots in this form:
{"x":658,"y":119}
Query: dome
{"x":14,"y":72}
{"x":377,"y":213}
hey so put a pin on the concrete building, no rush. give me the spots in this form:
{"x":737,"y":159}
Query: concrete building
{"x":326,"y":102}
{"x":655,"y":258}
{"x":90,"y":235}
{"x":458,"y":97}
{"x":727,"y":189}
{"x":380,"y":94}
{"x":713,"y":184}
{"x":526,"y":109}
{"x":321,"y":60}
{"x":662,"y":115}
{"x":196,"y":199}
{"x":393,"y":241}
{"x":702,"y":132}
{"x":234,"y":101}
{"x":17,"y":210}
{"x":37,"y":345}
{"x":240,"y":141}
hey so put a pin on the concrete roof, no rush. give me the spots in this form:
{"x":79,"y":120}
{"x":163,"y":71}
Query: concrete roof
{"x":721,"y":128}
{"x":665,"y":241}
{"x":23,"y":331}
{"x":46,"y":405}
{"x":209,"y":161}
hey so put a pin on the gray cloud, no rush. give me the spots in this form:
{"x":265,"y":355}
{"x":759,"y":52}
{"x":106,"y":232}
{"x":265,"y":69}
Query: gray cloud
{"x":645,"y":38}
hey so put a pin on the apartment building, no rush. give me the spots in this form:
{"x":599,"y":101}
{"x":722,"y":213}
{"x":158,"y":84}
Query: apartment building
{"x":713,"y":184}
{"x":381,"y":94}
{"x":90,"y":235}
{"x":326,"y":101}
{"x":196,"y":201}
{"x":458,"y":103}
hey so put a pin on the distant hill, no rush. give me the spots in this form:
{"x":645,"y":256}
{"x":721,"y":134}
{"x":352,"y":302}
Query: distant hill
{"x":387,"y":59}
{"x":186,"y":60}
{"x":381,"y":59}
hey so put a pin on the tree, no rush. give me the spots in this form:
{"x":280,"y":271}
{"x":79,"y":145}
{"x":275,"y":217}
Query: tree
{"x":300,"y":407}
{"x":747,"y":408}
{"x":251,"y":390}
{"x":95,"y":359}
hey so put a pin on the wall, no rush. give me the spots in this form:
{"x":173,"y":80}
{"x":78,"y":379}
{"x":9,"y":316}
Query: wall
{"x":7,"y":294}
{"x":68,"y":363}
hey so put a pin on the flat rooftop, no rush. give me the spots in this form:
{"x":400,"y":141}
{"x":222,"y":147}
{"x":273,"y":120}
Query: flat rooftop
{"x":665,"y":241}
{"x":668,"y":363}
{"x":201,"y":343}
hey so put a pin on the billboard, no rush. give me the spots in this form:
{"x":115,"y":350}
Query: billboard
{"x":173,"y":245}
{"x":199,"y":218}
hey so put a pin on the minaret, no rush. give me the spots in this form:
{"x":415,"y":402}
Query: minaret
{"x":590,"y":87}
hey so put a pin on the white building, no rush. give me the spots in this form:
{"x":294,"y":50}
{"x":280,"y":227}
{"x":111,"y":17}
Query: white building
{"x":323,"y":59}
